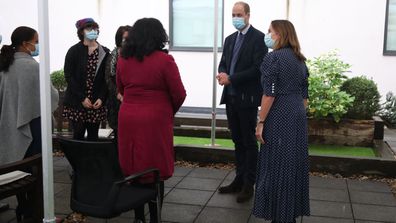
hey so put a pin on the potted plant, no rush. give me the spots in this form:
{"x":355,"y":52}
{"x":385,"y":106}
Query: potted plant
{"x":59,"y":82}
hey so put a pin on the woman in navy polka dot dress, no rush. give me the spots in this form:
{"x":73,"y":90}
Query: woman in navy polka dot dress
{"x":282,"y":185}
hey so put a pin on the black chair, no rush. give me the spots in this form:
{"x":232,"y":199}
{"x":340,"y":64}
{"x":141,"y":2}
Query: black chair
{"x":99,"y":188}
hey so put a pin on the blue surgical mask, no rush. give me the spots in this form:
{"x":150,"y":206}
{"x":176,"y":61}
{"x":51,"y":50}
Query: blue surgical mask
{"x":91,"y":35}
{"x":238,"y":22}
{"x":36,"y":51}
{"x":269,"y":41}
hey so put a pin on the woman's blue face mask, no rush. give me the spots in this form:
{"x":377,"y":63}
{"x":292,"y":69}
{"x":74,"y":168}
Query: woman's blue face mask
{"x":91,"y":35}
{"x":36,"y":51}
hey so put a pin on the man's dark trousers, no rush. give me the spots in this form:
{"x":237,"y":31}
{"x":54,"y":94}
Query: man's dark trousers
{"x":242,"y":123}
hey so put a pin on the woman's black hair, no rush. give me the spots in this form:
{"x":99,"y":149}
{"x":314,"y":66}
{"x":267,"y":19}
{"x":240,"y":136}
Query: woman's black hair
{"x":146,"y":36}
{"x":20,"y":35}
{"x":80,"y":30}
{"x":120,"y":32}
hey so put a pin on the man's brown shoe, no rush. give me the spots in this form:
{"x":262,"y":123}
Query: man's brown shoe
{"x":229,"y":189}
{"x":246,"y":194}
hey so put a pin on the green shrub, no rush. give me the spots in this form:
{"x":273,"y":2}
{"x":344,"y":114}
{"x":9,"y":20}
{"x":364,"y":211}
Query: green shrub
{"x":58,"y":80}
{"x":326,"y":77}
{"x":366,"y":95}
{"x":388,"y":110}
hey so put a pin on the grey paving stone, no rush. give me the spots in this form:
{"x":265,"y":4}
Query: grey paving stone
{"x":222,"y":215}
{"x":326,"y":194}
{"x":167,"y":190}
{"x":331,"y":209}
{"x":192,"y":197}
{"x":360,"y":221}
{"x":374,"y":212}
{"x":231,"y":176}
{"x":60,"y":162}
{"x":11,"y":201}
{"x":61,"y":175}
{"x":7,"y":216}
{"x":199,"y":183}
{"x":179,"y":212}
{"x":61,"y":187}
{"x":370,"y":186}
{"x":208,"y":173}
{"x":362,"y":197}
{"x":171,"y":182}
{"x":228,"y":201}
{"x":331,"y":183}
{"x":95,"y":220}
{"x":62,"y":203}
{"x":253,"y":219}
{"x":314,"y":219}
{"x":182,"y":171}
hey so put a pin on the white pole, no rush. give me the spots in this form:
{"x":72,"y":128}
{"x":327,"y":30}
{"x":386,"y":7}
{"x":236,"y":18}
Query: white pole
{"x":45,"y":103}
{"x":214,"y":102}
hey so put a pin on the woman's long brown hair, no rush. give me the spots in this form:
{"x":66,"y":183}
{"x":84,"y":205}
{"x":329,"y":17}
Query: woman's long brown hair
{"x":288,"y":37}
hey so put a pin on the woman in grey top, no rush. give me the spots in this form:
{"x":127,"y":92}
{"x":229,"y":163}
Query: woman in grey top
{"x":20,"y":127}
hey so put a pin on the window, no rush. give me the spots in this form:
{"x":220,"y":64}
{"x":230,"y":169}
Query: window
{"x":191,"y":25}
{"x":390,"y":28}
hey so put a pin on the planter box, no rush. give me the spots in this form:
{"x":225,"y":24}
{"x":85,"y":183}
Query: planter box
{"x":347,"y":132}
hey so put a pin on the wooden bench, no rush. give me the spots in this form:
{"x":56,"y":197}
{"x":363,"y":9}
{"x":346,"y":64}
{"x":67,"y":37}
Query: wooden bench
{"x":30,"y":184}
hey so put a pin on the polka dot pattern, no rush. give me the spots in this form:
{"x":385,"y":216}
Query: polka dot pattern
{"x":282,"y":185}
{"x":88,"y":115}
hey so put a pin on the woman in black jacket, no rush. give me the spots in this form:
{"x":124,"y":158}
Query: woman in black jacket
{"x":86,"y":86}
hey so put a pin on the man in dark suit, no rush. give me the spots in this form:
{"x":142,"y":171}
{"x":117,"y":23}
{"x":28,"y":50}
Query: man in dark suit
{"x":239,"y":73}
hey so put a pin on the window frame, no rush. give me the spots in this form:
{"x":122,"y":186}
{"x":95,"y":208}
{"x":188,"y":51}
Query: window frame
{"x":193,"y":48}
{"x":387,"y":52}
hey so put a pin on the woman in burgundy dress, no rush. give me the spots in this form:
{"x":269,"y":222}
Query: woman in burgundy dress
{"x":149,"y":80}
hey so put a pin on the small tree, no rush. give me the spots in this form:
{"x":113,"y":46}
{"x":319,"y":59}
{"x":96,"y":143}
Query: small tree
{"x":327,"y":74}
{"x":366,"y":95}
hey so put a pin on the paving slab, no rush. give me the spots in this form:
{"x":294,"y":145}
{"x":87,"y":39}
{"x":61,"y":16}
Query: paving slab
{"x":370,"y":186}
{"x":374,"y":212}
{"x":182,"y":171}
{"x":228,"y":201}
{"x":331,"y":183}
{"x":208,"y":173}
{"x":222,"y":215}
{"x":363,"y":197}
{"x":199,"y":183}
{"x":331,"y":209}
{"x":253,"y":219}
{"x":171,"y":182}
{"x":180,"y":212}
{"x":326,"y":194}
{"x":315,"y":219}
{"x":192,"y":197}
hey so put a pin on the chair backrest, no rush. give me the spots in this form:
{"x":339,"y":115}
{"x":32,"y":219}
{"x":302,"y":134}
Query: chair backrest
{"x":96,"y":168}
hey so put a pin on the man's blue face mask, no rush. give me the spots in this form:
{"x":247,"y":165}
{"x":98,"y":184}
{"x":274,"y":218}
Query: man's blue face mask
{"x":238,"y":22}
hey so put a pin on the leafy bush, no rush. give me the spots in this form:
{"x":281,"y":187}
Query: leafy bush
{"x":366,"y":95}
{"x":58,"y":80}
{"x":326,"y":77}
{"x":388,"y":110}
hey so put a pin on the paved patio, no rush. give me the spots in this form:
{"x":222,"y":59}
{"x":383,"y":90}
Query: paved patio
{"x":191,"y":196}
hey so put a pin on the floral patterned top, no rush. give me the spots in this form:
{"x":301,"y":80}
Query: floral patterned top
{"x":85,"y":114}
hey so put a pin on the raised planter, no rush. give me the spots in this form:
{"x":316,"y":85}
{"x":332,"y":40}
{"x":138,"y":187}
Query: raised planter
{"x":344,"y":165}
{"x":347,"y":132}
